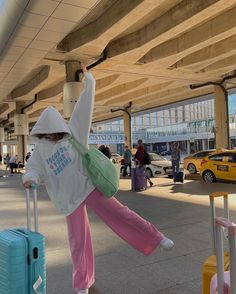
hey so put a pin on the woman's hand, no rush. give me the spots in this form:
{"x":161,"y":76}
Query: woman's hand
{"x":83,"y":67}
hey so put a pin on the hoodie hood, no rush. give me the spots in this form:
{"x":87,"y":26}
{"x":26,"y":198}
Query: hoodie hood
{"x":51,"y":121}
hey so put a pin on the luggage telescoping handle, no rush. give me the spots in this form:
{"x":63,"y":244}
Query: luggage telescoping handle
{"x":28,"y":211}
{"x":213,"y":213}
{"x":231,"y":228}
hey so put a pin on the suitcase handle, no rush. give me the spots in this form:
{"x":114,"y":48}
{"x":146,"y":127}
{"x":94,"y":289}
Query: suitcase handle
{"x":28,"y":211}
{"x":231,"y":227}
{"x":212,"y":197}
{"x":218,"y":194}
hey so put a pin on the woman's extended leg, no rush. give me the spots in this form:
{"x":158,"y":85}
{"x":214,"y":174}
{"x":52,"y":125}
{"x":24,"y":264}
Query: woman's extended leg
{"x":81,"y":248}
{"x":132,"y":228}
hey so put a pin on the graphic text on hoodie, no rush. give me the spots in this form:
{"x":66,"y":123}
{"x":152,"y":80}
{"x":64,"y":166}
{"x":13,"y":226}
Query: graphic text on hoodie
{"x":59,"y":160}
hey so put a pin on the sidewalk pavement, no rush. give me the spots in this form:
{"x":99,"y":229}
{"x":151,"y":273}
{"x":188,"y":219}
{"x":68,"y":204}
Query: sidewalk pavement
{"x":181,"y":211}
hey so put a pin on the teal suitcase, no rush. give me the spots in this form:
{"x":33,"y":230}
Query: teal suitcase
{"x":22,"y":257}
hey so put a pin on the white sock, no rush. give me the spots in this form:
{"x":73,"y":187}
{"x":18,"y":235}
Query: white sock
{"x":83,"y":291}
{"x":166,"y":244}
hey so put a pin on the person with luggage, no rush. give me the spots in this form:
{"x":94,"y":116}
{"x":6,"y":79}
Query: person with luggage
{"x":7,"y":159}
{"x":175,"y":157}
{"x":56,"y":162}
{"x":127,"y":161}
{"x":178,"y":176}
{"x":140,"y":159}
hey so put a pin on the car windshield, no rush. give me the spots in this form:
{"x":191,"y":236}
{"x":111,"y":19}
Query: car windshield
{"x":202,"y":153}
{"x":156,"y":157}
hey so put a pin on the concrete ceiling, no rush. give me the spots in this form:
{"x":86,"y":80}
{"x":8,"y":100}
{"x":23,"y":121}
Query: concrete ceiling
{"x":154,"y":50}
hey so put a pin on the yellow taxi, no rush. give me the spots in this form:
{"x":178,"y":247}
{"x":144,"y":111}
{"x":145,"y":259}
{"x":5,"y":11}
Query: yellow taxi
{"x":219,"y":165}
{"x":192,"y":163}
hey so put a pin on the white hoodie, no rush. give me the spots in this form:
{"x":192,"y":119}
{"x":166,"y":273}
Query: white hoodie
{"x":58,"y":164}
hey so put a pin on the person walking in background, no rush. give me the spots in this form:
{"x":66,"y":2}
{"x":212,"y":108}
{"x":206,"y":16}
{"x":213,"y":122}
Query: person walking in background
{"x":127,"y":161}
{"x":56,"y":162}
{"x":175,"y":157}
{"x":7,"y":159}
{"x":105,"y":150}
{"x":139,"y":159}
{"x":12,"y":163}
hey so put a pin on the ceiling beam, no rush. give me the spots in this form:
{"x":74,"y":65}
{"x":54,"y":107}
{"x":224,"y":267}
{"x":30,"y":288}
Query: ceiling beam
{"x":177,"y":20}
{"x":6,"y":108}
{"x":3,"y":108}
{"x":107,"y":81}
{"x":223,"y":65}
{"x":58,"y":88}
{"x":51,"y":92}
{"x":96,"y":28}
{"x":117,"y":90}
{"x":179,"y":97}
{"x":213,"y":52}
{"x":218,"y":28}
{"x":144,"y":92}
{"x":35,"y":81}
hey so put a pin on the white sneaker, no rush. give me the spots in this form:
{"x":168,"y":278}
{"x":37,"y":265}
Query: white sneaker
{"x":84,"y":291}
{"x":166,"y":244}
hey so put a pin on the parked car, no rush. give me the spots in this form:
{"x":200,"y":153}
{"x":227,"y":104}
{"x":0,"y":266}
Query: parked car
{"x":219,"y":165}
{"x":116,"y":158}
{"x":166,"y":152}
{"x":192,"y":163}
{"x":159,"y":166}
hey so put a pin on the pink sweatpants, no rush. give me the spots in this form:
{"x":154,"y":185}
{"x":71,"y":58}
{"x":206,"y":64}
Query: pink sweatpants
{"x":136,"y":231}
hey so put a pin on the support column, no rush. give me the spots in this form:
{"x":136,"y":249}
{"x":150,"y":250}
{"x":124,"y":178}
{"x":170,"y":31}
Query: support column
{"x":1,"y":141}
{"x":221,"y":119}
{"x":72,"y":88}
{"x":72,"y":66}
{"x":21,"y":130}
{"x":168,"y":146}
{"x":204,"y":145}
{"x":128,"y":128}
{"x":188,"y":147}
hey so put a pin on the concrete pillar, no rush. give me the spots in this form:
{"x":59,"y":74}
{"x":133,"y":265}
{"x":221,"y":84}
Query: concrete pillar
{"x":128,"y":128}
{"x":221,"y":119}
{"x":72,"y":66}
{"x":2,"y":136}
{"x":2,"y":139}
{"x":204,"y":145}
{"x":22,"y":130}
{"x":72,"y":88}
{"x":188,"y":147}
{"x":168,"y":146}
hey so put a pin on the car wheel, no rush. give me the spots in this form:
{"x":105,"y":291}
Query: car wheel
{"x":148,"y":173}
{"x":209,"y":176}
{"x":192,"y":168}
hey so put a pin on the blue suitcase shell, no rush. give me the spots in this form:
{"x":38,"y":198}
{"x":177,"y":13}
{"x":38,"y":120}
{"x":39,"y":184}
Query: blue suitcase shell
{"x":22,"y":262}
{"x":22,"y":259}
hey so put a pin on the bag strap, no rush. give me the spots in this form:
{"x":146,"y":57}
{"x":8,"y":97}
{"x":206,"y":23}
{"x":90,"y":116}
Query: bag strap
{"x":78,"y":146}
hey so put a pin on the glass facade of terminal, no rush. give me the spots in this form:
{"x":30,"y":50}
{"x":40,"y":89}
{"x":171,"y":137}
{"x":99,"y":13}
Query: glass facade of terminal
{"x":191,"y":123}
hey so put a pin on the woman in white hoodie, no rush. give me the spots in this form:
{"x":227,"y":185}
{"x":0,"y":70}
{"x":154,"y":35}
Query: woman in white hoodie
{"x":58,"y":164}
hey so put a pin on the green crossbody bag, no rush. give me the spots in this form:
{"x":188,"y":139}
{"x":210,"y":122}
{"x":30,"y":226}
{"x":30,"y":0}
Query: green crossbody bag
{"x":101,"y":170}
